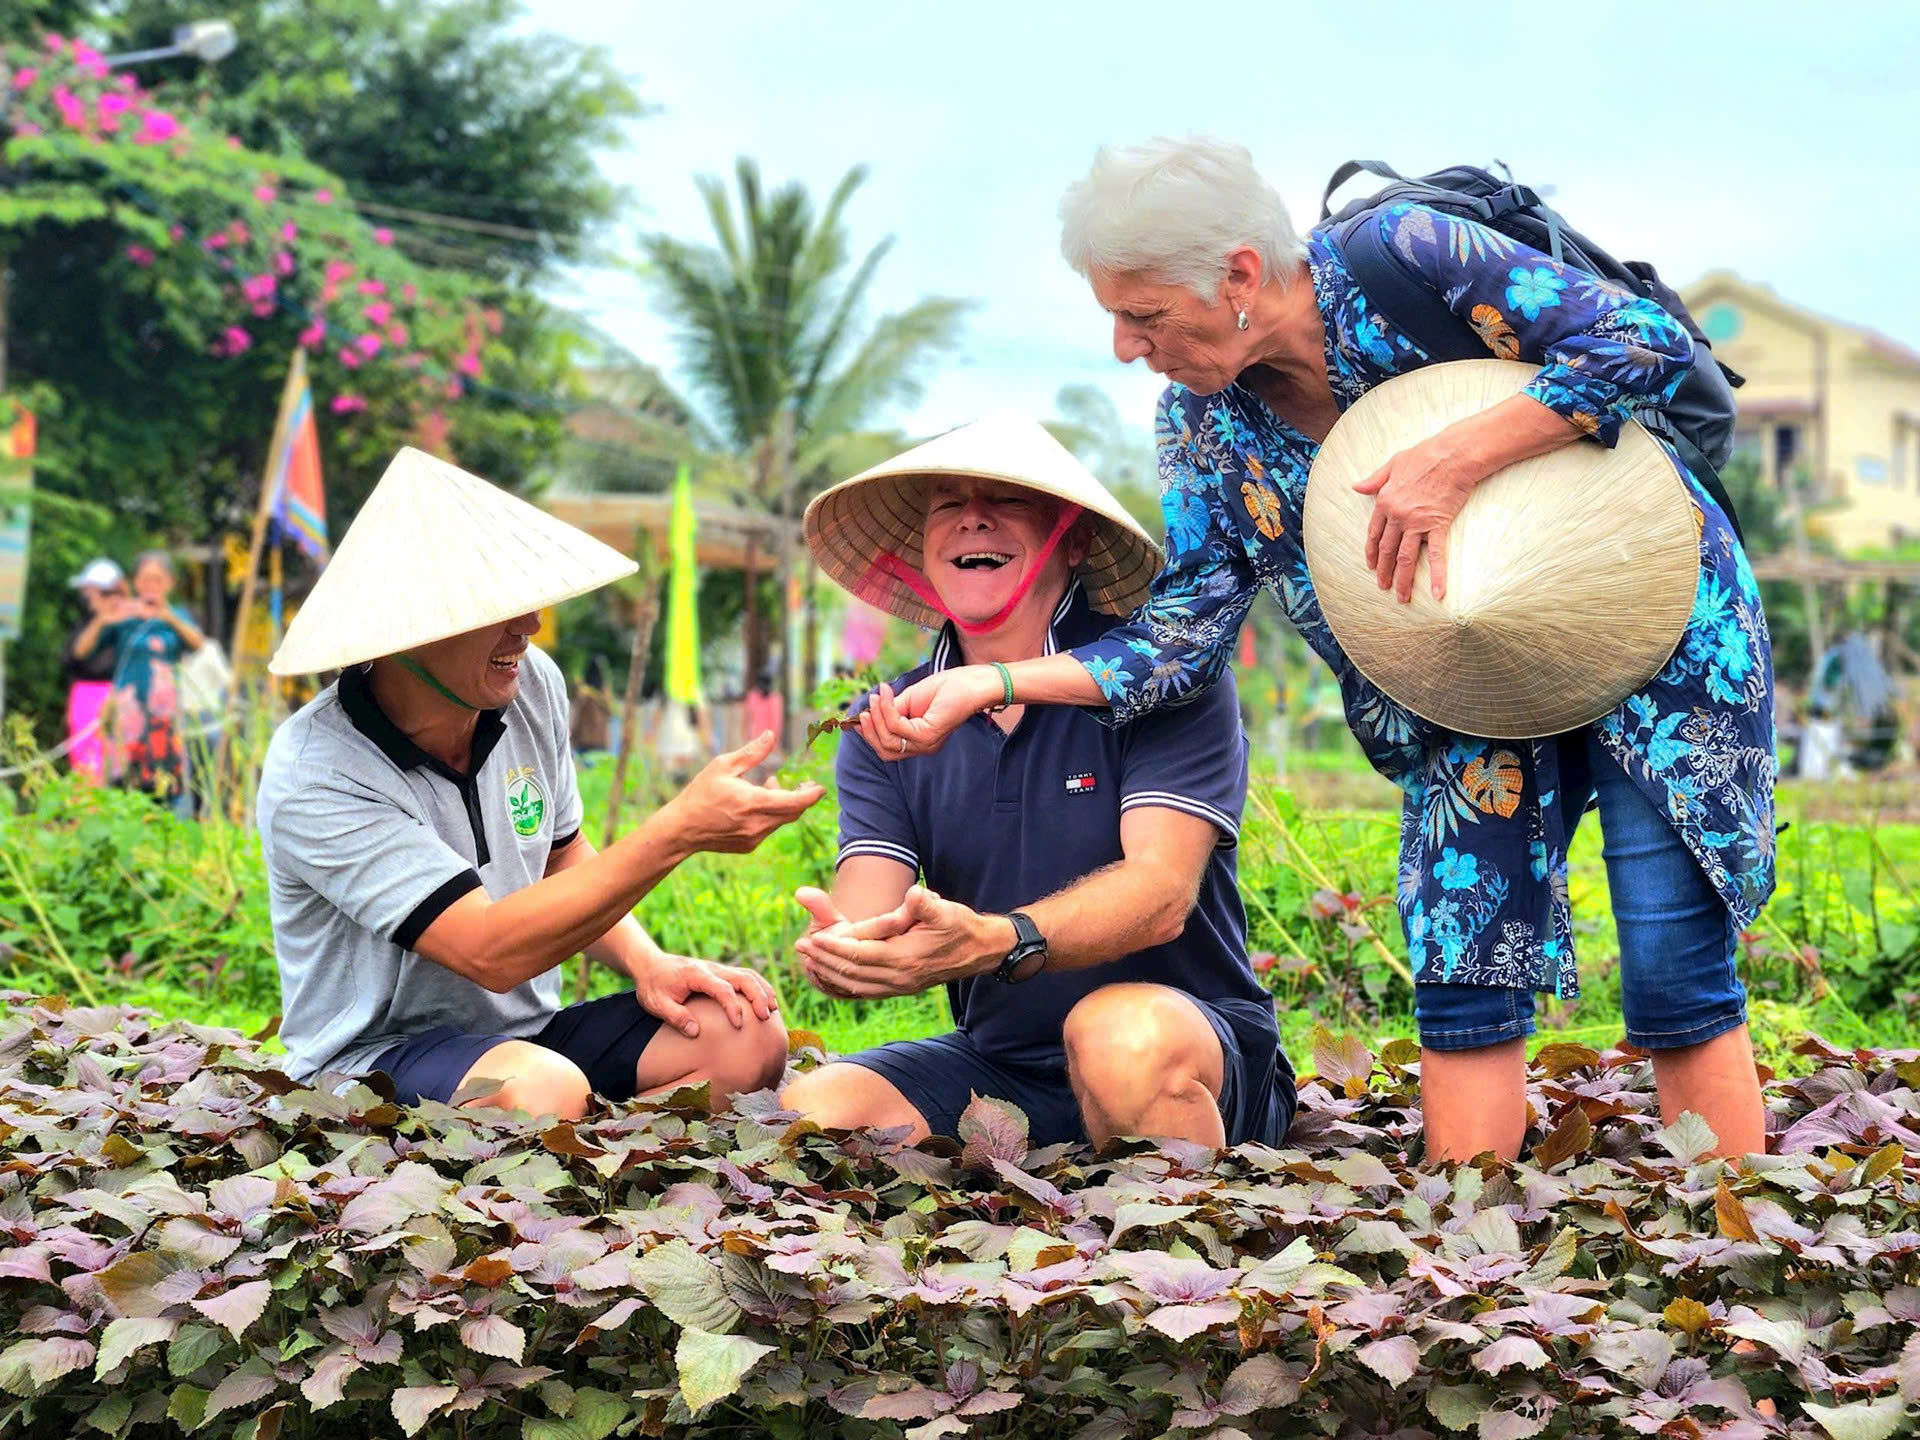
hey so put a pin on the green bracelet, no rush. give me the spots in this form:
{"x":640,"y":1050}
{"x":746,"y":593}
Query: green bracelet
{"x":1006,"y":679}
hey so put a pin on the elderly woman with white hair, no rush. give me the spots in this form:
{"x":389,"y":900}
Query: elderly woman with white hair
{"x":1267,"y":337}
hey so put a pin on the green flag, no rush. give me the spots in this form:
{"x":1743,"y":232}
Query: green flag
{"x":683,"y":616}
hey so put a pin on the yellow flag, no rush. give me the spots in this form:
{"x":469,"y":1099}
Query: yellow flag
{"x":683,"y":617}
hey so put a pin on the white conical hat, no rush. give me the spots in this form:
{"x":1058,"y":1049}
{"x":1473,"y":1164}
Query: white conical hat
{"x":437,"y":552}
{"x":1570,"y":577}
{"x":882,"y":510}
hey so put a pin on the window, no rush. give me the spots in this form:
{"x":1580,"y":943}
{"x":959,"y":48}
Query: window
{"x":1786,"y":450}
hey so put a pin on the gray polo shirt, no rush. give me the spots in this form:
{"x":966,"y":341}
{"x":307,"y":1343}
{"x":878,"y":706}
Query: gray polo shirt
{"x":368,"y":839}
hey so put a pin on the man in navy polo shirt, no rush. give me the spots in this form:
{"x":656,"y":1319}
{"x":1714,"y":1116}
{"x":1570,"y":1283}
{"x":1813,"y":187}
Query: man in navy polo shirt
{"x":1079,"y":897}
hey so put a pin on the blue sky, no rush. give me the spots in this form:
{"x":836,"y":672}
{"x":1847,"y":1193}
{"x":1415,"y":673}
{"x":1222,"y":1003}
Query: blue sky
{"x":1778,"y":140}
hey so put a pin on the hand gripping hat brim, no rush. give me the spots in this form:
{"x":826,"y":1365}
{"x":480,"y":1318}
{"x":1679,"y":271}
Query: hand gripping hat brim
{"x":437,"y":552}
{"x":1570,"y":577}
{"x":883,"y":510}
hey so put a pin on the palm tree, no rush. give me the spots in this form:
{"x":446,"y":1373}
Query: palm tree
{"x":771,"y":338}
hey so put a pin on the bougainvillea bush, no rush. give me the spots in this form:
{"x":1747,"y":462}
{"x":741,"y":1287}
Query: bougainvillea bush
{"x":189,"y":1243}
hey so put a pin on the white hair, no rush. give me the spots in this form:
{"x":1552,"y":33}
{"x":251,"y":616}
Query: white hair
{"x":1173,"y":210}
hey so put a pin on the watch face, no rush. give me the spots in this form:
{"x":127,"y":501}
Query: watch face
{"x":1026,"y":966}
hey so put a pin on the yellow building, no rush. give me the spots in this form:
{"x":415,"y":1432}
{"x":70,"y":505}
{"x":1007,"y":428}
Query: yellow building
{"x":1837,"y":405}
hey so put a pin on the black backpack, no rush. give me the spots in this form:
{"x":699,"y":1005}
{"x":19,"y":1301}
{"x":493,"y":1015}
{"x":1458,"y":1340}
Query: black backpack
{"x":1698,"y":421}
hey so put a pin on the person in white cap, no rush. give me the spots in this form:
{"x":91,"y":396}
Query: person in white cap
{"x":1079,"y":898}
{"x":88,"y":665}
{"x":422,"y":830}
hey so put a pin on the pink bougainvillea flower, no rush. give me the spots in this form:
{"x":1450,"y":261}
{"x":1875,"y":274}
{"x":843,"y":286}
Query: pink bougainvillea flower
{"x":234,"y":341}
{"x":407,"y":292}
{"x":70,"y":108}
{"x":397,"y":334}
{"x":383,"y":236}
{"x":259,"y":287}
{"x":289,"y":232}
{"x":265,"y":194}
{"x":238,"y":230}
{"x":379,"y":312}
{"x":454,"y":390}
{"x":27,"y":130}
{"x":283,"y":262}
{"x":493,"y":319}
{"x":414,"y":361}
{"x":55,"y":43}
{"x":88,"y":60}
{"x":337,"y":270}
{"x":112,"y":107}
{"x":468,"y":364}
{"x":323,"y":197}
{"x":233,"y":142}
{"x":314,"y":334}
{"x":347,"y":404}
{"x":156,"y":128}
{"x":24,"y":77}
{"x":125,"y":82}
{"x":368,"y":345}
{"x":349,"y":358}
{"x":176,"y":232}
{"x":216,"y":241}
{"x":140,"y":255}
{"x":372,"y":287}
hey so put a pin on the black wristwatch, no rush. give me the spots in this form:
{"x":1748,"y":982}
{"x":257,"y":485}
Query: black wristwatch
{"x":1029,"y":954}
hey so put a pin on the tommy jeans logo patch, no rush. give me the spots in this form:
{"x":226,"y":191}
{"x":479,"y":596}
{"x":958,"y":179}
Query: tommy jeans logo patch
{"x":1080,"y":784}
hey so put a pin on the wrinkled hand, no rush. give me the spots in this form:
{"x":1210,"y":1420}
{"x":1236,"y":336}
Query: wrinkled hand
{"x":665,"y":983}
{"x":722,"y":811}
{"x":925,"y":941}
{"x":1418,"y":494}
{"x":919,"y":719}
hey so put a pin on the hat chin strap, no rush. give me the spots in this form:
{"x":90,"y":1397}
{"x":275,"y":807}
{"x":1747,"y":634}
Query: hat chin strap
{"x":874,"y":589}
{"x":419,"y":672}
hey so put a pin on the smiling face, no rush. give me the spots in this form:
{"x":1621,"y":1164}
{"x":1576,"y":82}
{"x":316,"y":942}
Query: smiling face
{"x":153,"y":582}
{"x":482,"y":667}
{"x":1178,"y":334}
{"x":983,"y":537}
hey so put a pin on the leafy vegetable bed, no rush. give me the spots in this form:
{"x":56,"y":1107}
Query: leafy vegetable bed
{"x":190,"y":1243}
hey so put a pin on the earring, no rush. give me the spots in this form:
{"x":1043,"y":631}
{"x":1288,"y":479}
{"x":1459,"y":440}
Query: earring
{"x":1240,"y":323}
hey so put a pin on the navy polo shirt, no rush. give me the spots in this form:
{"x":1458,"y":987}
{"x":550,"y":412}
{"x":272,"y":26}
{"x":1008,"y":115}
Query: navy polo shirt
{"x":998,"y":821}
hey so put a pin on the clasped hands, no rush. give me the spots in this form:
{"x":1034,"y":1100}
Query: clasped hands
{"x":924,"y":941}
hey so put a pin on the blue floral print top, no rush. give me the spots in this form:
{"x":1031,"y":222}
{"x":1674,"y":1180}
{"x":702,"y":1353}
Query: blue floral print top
{"x":1483,"y":838}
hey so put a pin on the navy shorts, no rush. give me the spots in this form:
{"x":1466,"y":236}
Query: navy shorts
{"x":603,"y":1037}
{"x":940,"y":1075}
{"x":1678,"y":942}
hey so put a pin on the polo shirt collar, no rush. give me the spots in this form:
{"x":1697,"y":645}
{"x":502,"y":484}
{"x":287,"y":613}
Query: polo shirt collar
{"x":357,"y":699}
{"x":946,"y":649}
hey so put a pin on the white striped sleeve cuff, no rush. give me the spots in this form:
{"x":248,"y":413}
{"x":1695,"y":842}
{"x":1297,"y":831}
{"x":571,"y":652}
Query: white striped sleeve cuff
{"x":1228,"y":825}
{"x":885,"y":849}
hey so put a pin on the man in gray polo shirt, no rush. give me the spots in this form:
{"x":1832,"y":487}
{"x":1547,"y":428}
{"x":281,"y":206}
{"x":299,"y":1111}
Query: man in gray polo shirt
{"x":421,"y":827}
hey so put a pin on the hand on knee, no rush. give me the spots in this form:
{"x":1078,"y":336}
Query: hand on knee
{"x":736,"y":1061}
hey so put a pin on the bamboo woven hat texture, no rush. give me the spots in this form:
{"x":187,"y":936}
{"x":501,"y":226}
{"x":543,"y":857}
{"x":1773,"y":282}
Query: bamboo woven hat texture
{"x":882,"y":510}
{"x":437,"y":552}
{"x":1570,"y":577}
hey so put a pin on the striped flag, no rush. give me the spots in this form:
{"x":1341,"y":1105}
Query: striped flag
{"x":299,"y":498}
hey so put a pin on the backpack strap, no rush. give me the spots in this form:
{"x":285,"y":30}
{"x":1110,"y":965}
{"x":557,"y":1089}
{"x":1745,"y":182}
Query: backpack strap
{"x":1395,"y":292}
{"x":1347,"y":171}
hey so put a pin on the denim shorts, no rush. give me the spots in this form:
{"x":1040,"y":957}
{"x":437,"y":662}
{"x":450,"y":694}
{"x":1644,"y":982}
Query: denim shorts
{"x":1678,"y":942}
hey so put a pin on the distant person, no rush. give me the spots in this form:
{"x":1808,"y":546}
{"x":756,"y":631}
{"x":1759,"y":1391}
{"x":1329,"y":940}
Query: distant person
{"x":145,"y":749}
{"x":592,"y":711}
{"x":421,"y":823}
{"x":88,"y":662}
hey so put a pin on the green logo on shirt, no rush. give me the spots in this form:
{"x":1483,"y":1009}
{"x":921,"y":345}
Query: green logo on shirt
{"x":526,"y":801}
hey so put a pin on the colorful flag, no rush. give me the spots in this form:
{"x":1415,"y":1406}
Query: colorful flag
{"x":16,"y":515}
{"x":299,"y":499}
{"x":682,"y":671}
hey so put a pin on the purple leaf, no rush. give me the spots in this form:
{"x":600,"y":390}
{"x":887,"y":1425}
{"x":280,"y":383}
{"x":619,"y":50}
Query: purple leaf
{"x":246,"y":1386}
{"x":330,"y":1373}
{"x":991,"y":1130}
{"x":1183,"y":1322}
{"x":238,"y":1307}
{"x":494,"y":1335}
{"x":414,"y":1405}
{"x":1170,"y":1279}
{"x":1395,"y":1360}
{"x":1511,"y":1350}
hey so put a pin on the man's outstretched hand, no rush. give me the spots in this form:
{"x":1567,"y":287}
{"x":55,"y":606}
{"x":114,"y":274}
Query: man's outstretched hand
{"x":721,"y":810}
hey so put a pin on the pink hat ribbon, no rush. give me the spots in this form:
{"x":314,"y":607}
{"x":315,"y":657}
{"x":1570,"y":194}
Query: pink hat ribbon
{"x":875,"y":590}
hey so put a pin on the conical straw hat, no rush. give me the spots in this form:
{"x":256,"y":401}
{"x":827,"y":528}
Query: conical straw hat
{"x":437,"y":552}
{"x":1570,"y":577}
{"x":882,"y":510}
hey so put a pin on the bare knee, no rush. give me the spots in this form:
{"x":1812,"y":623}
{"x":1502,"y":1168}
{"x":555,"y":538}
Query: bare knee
{"x":1130,"y":1046}
{"x":532,"y":1078}
{"x":851,"y":1097}
{"x":754,"y":1057}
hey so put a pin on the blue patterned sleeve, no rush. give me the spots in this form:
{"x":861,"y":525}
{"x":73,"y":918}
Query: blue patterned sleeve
{"x":1180,"y":642}
{"x":1604,"y":351}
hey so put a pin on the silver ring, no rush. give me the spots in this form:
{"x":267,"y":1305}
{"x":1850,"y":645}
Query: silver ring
{"x":903,"y":744}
